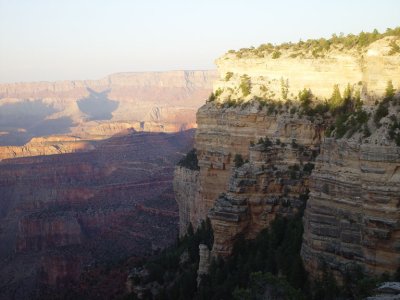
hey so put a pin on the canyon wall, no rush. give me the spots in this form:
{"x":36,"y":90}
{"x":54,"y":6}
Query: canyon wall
{"x":223,"y":133}
{"x":352,"y":214}
{"x":47,"y":146}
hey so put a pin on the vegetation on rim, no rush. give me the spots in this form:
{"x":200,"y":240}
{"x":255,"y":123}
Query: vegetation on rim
{"x":317,"y":48}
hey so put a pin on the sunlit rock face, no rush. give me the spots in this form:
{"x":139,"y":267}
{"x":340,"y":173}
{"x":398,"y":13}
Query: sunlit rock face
{"x":352,"y":212}
{"x":366,"y":69}
{"x":243,"y":201}
{"x":224,"y":132}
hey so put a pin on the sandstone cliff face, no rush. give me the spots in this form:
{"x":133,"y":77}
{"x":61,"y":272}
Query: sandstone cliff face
{"x":273,"y":183}
{"x":352,"y":216}
{"x":244,"y":201}
{"x":224,"y":132}
{"x":47,"y":146}
{"x":367,"y":70}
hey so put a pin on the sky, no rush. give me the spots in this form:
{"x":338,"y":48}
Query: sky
{"x":48,"y":40}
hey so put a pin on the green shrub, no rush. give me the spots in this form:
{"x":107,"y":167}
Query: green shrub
{"x":218,"y":92}
{"x":238,"y":160}
{"x":266,"y":143}
{"x":341,"y":125}
{"x":294,"y":171}
{"x":366,"y":131}
{"x":271,"y":108}
{"x":394,"y":130}
{"x":245,"y":85}
{"x":228,"y":76}
{"x":390,"y":91}
{"x":211,"y":98}
{"x":276,"y":54}
{"x":361,"y":116}
{"x":321,"y":108}
{"x":317,"y":47}
{"x":394,"y":48}
{"x":382,"y":111}
{"x":284,"y":88}
{"x":305,"y":97}
{"x":190,"y":161}
{"x":308,"y":167}
{"x":294,"y":144}
{"x":336,"y":99}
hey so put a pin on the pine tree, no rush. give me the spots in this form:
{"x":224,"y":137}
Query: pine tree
{"x":336,"y":99}
{"x":348,"y":92}
{"x":389,"y":90}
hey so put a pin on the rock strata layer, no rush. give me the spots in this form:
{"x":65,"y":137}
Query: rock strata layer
{"x":366,"y":69}
{"x":352,"y":216}
{"x":148,"y":101}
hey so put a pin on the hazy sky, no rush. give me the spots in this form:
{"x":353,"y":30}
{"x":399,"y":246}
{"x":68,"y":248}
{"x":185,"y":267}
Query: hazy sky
{"x":88,"y":39}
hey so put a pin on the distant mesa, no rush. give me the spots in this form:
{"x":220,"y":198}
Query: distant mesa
{"x":97,"y":109}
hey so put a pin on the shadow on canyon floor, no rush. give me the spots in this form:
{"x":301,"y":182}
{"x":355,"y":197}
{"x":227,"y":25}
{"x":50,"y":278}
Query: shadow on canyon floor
{"x":97,"y":105}
{"x":22,"y":121}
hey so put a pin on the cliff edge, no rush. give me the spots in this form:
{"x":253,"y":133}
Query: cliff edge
{"x":308,"y":126}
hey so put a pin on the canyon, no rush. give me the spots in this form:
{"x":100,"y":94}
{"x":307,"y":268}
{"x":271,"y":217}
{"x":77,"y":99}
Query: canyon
{"x":270,"y":143}
{"x":86,"y":171}
{"x":348,"y":185}
{"x":98,"y":109}
{"x":63,"y":214}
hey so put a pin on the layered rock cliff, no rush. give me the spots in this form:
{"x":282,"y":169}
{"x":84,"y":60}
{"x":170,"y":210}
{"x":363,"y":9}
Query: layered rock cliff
{"x":47,"y":146}
{"x":352,"y":214}
{"x":242,"y":201}
{"x":295,"y":68}
{"x":149,"y":101}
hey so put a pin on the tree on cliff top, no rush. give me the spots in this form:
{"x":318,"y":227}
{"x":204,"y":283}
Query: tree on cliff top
{"x":318,"y":46}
